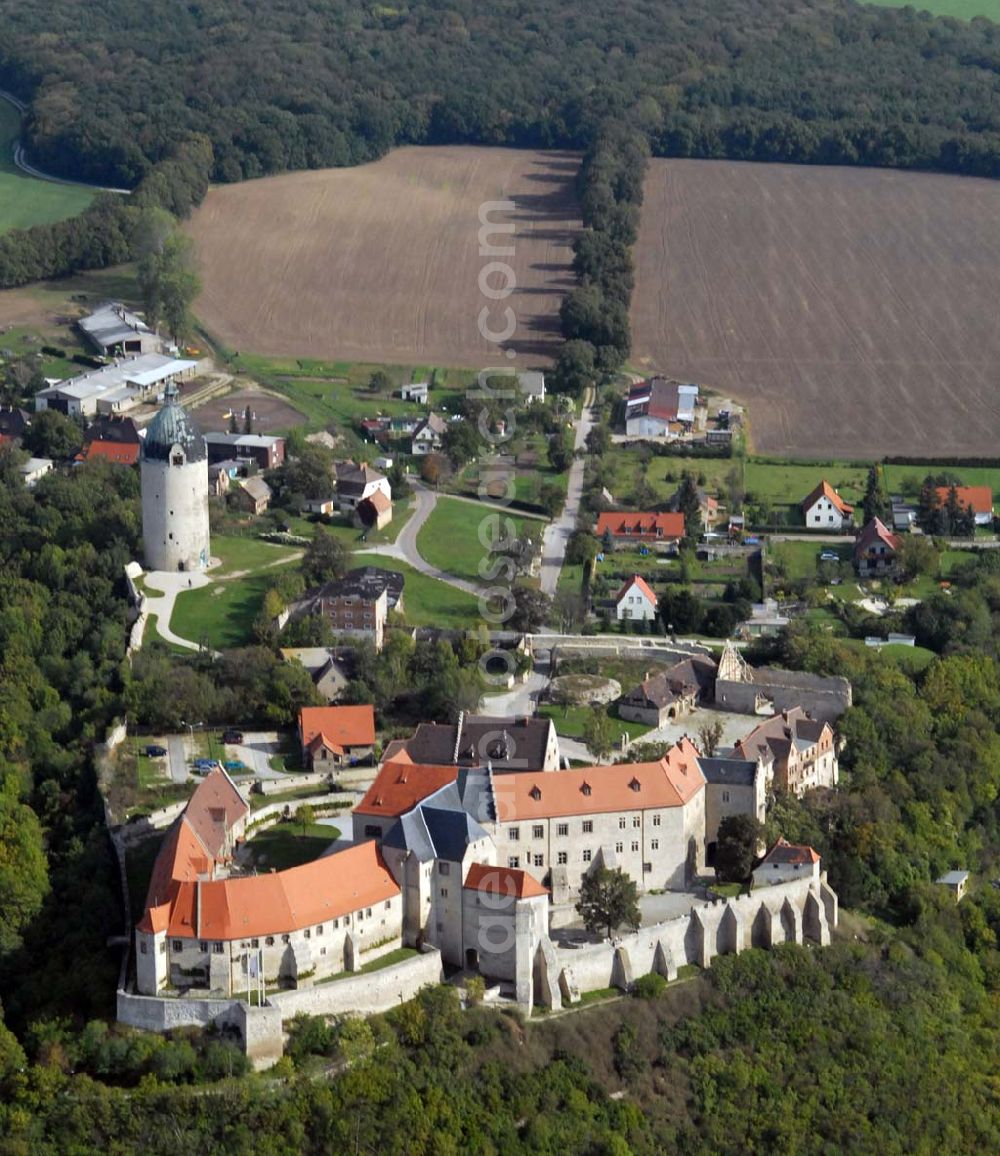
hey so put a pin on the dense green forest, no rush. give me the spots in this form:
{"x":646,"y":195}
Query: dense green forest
{"x":115,"y":87}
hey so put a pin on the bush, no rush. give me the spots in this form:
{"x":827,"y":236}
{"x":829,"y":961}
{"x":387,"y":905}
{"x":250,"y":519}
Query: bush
{"x":649,"y":986}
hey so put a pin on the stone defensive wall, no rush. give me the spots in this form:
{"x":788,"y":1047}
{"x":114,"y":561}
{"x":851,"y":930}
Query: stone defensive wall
{"x":783,"y":913}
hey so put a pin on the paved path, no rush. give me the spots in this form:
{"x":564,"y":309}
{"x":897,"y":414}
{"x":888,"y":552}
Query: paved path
{"x":405,"y":546}
{"x":522,"y":700}
{"x":161,"y":590}
{"x":557,"y":535}
{"x":177,"y":758}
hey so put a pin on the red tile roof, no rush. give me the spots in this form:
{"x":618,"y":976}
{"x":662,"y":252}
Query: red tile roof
{"x":341,"y":726}
{"x":506,"y":881}
{"x":980,"y":498}
{"x":873,"y":532}
{"x":121,"y":452}
{"x":401,"y":784}
{"x":671,"y":782}
{"x":641,"y":583}
{"x":634,"y":524}
{"x":825,"y":490}
{"x":790,"y":853}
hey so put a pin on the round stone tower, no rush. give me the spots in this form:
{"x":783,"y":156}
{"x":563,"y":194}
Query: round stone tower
{"x":174,"y":470}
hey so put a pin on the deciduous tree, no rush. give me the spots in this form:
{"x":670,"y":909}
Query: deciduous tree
{"x":608,"y":900}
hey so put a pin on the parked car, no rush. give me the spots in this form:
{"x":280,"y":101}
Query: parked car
{"x":829,"y":556}
{"x":234,"y":765}
{"x":204,"y":764}
{"x":155,"y":752}
{"x":232,"y":736}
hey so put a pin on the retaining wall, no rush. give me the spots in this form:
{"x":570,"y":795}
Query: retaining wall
{"x":375,"y":991}
{"x":271,"y":812}
{"x":159,"y":1014}
{"x":288,"y":783}
{"x":148,"y":825}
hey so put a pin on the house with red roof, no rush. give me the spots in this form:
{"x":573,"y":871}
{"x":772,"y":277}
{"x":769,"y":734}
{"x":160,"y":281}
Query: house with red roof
{"x":785,"y":863}
{"x":629,"y":529}
{"x":635,"y":600}
{"x":979,"y":498}
{"x":335,"y":736}
{"x":796,"y":751}
{"x":121,"y":453}
{"x":825,"y":509}
{"x":875,"y":551}
{"x":205,"y":920}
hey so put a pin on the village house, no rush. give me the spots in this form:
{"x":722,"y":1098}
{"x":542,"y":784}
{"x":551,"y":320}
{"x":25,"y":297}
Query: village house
{"x":114,"y":330}
{"x":670,"y":693}
{"x":797,"y":751}
{"x":979,"y":498}
{"x":374,"y":512}
{"x":707,"y":505}
{"x":428,"y":436}
{"x":635,"y":601}
{"x":266,"y":451}
{"x":115,"y":439}
{"x":357,"y":604}
{"x":14,"y":423}
{"x":356,"y":482}
{"x":252,"y":495}
{"x":330,"y":668}
{"x":336,"y":736}
{"x":222,"y":474}
{"x":660,"y":408}
{"x":956,"y":882}
{"x":825,"y":509}
{"x":204,"y":922}
{"x":630,"y":529}
{"x":875,"y":551}
{"x":784,"y":863}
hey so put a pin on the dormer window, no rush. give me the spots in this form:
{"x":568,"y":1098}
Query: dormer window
{"x":635,"y":785}
{"x":586,"y":788}
{"x":535,"y":793}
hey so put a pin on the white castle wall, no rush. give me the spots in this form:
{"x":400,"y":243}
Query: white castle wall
{"x":175,"y":514}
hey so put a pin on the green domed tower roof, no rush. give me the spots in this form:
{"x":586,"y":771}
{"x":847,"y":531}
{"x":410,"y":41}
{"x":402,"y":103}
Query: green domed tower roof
{"x":172,"y":427}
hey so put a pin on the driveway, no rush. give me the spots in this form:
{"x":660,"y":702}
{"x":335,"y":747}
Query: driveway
{"x":734,"y":727}
{"x":177,"y":758}
{"x":255,"y":752}
{"x":558,"y":533}
{"x":522,"y":700}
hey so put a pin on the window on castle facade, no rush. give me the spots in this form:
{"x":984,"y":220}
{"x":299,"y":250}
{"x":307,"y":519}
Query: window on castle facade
{"x":513,"y":861}
{"x":635,"y":844}
{"x":514,"y":834}
{"x":539,"y":860}
{"x":538,"y":831}
{"x":588,"y":826}
{"x":636,"y":821}
{"x":588,"y":855}
{"x":619,"y":847}
{"x":656,"y":820}
{"x":562,"y":829}
{"x":621,"y":823}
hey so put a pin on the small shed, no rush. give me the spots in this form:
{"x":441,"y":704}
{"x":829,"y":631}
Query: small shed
{"x":955,"y":881}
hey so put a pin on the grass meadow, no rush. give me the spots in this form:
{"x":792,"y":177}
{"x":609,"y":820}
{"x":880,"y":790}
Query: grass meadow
{"x":449,"y":539}
{"x":27,"y":201}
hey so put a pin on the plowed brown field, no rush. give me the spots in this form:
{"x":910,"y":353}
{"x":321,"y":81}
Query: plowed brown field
{"x":856,"y":311}
{"x":381,"y":263}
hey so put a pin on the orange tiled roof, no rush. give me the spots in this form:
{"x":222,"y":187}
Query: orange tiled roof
{"x":980,"y":498}
{"x":346,"y":726}
{"x":671,"y":782}
{"x":825,"y":490}
{"x":507,"y":881}
{"x":875,"y":531}
{"x":636,"y":580}
{"x":401,"y":784}
{"x":122,"y":452}
{"x":327,"y":888}
{"x":379,"y":501}
{"x":792,"y":853}
{"x":667,"y":525}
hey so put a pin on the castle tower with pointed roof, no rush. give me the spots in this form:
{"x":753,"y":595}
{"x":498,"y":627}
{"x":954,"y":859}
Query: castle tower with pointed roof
{"x":174,"y":472}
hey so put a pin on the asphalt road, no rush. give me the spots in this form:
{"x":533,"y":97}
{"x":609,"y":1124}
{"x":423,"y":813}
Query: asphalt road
{"x":557,"y":534}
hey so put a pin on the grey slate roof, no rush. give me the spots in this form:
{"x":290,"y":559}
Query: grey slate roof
{"x":507,"y":744}
{"x":173,"y":426}
{"x":443,"y":825}
{"x":728,"y":772}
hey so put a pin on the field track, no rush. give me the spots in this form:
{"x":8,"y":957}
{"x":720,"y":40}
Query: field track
{"x":856,"y":311}
{"x":380,"y":263}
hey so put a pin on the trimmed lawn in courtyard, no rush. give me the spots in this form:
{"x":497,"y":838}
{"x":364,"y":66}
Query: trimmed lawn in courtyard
{"x":238,"y":553}
{"x":450,"y":537}
{"x":287,"y":845}
{"x":383,"y":961}
{"x":570,"y":721}
{"x":428,"y":601}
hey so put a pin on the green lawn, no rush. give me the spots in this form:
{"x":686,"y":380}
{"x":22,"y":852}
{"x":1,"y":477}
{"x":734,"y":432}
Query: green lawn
{"x":960,"y":9}
{"x":790,"y":482}
{"x":427,"y":601}
{"x":387,"y":960}
{"x":907,"y":480}
{"x":24,"y":200}
{"x":450,"y":538}
{"x":287,"y":845}
{"x":801,"y":559}
{"x":221,"y":614}
{"x":236,"y":554}
{"x":570,"y":721}
{"x":337,"y":391}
